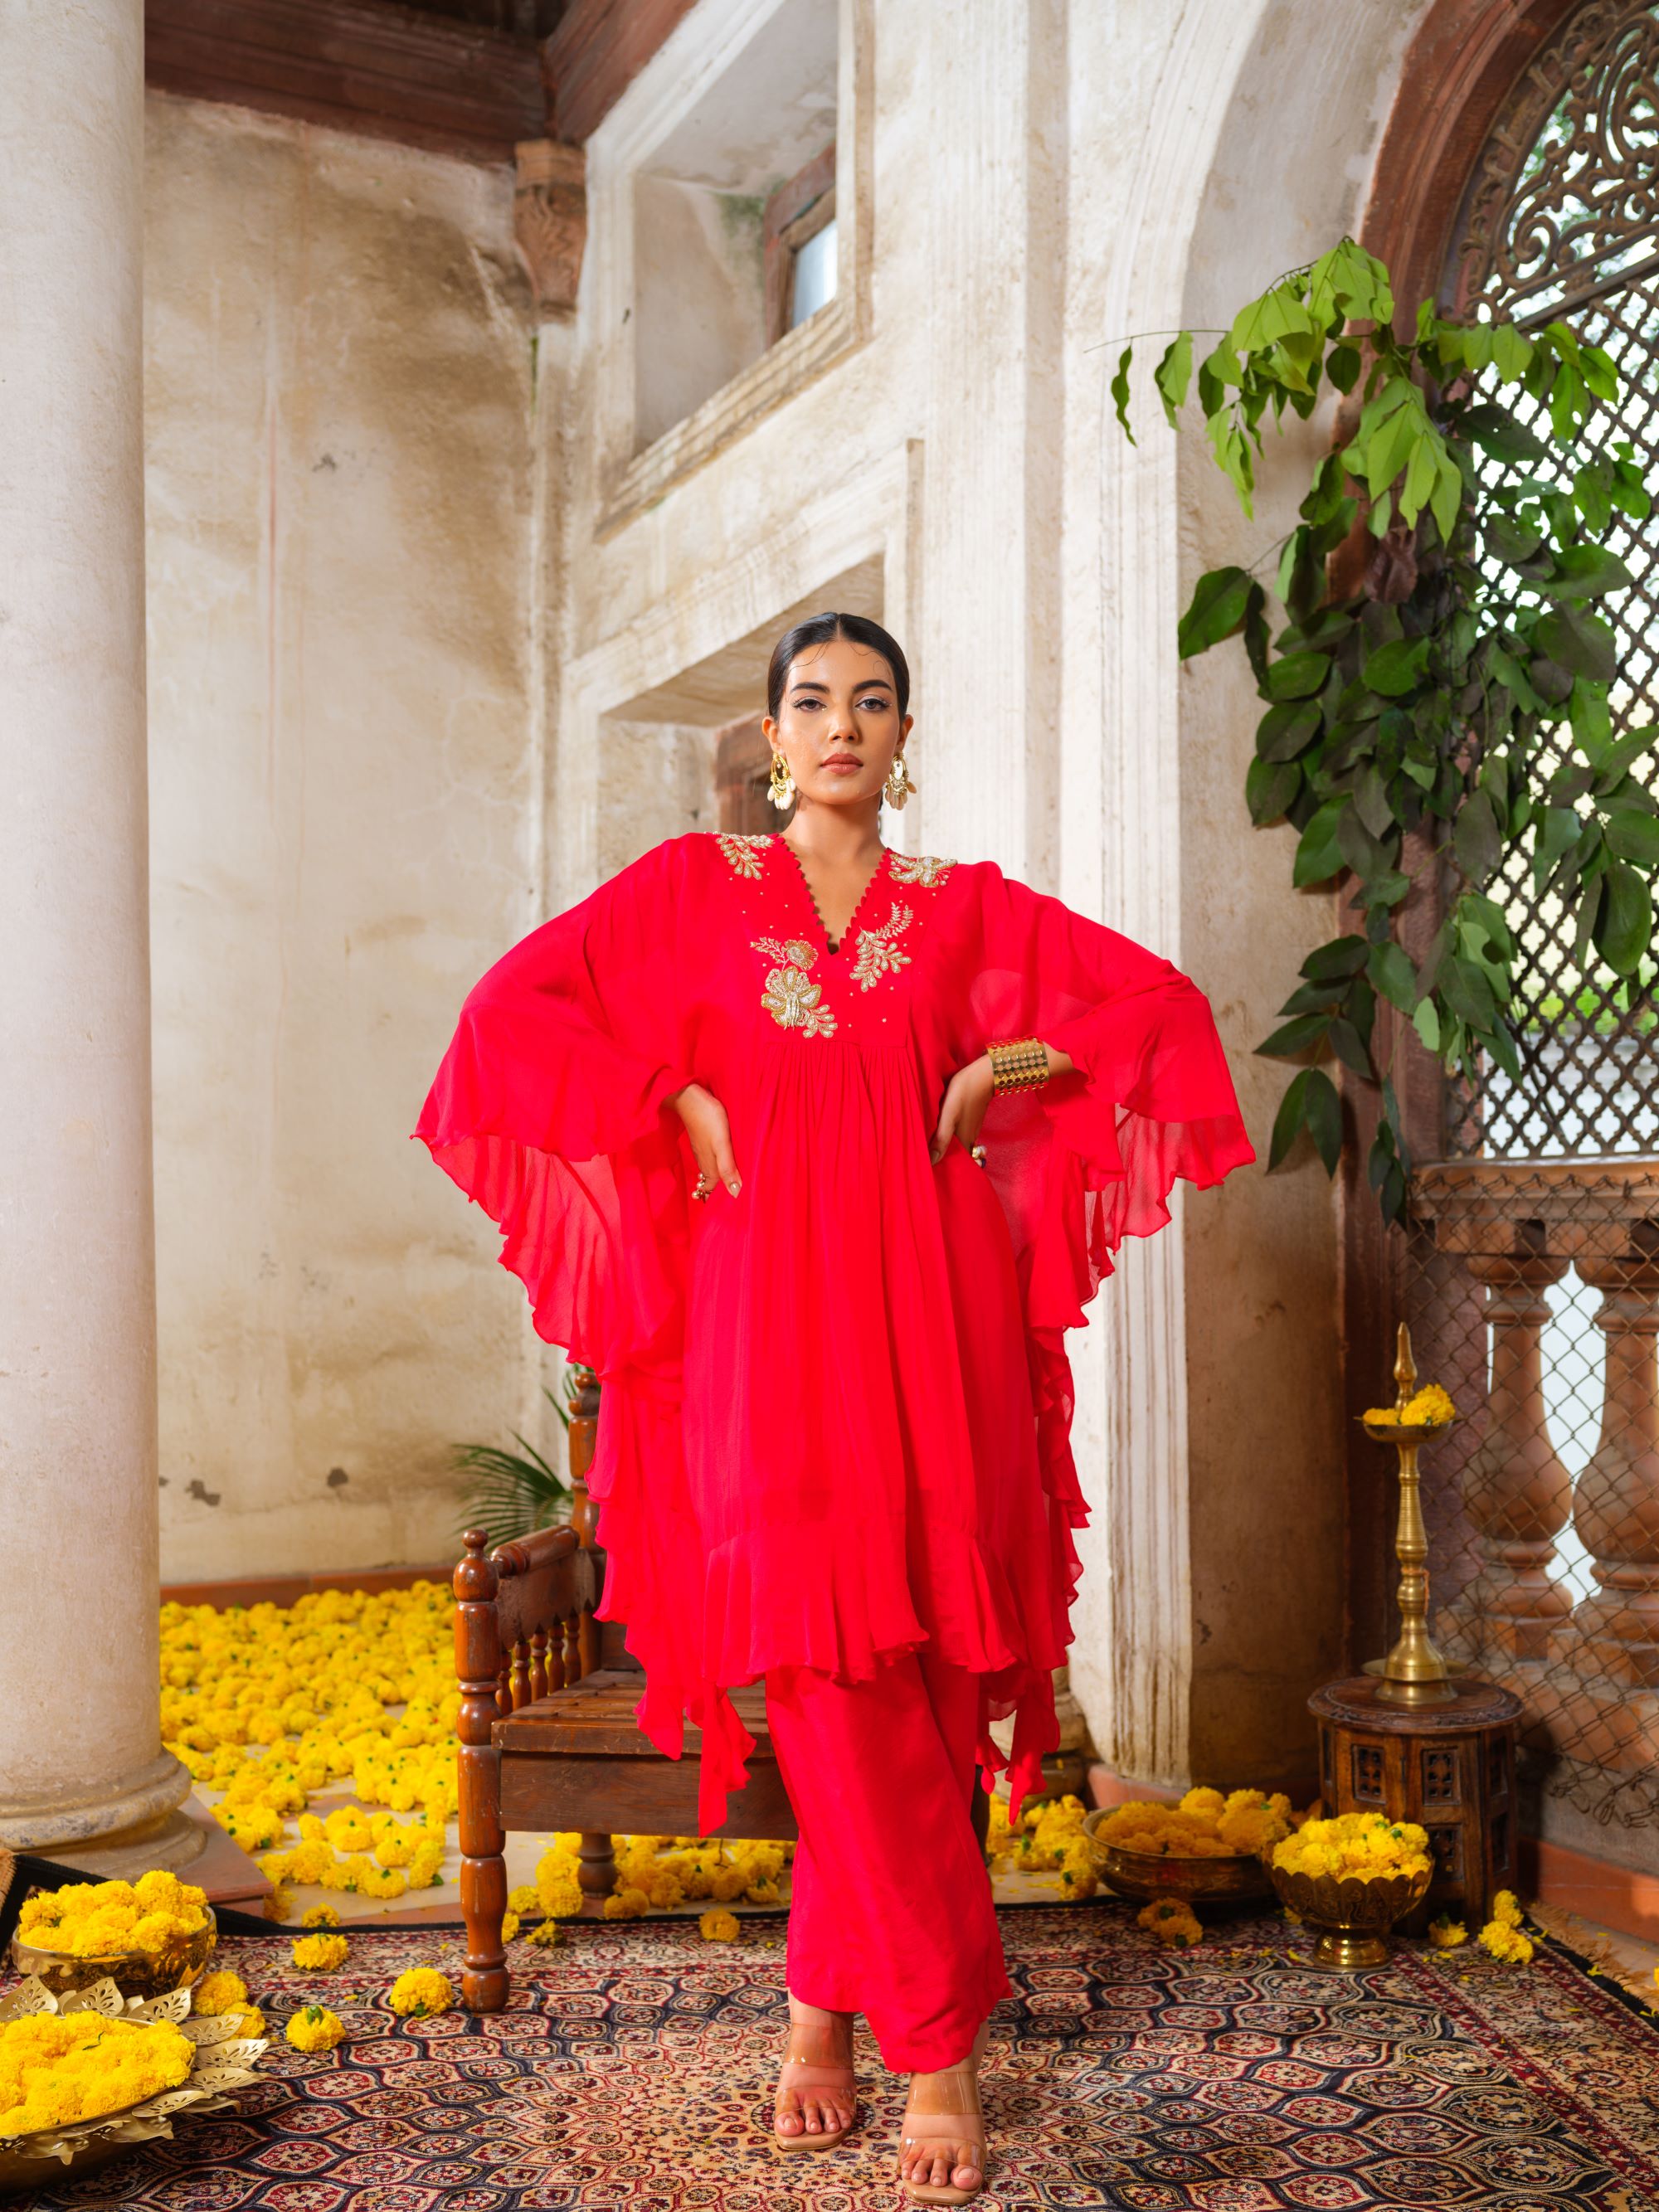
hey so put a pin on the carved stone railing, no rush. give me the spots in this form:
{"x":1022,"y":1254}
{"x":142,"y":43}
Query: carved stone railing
{"x":1588,"y":1674}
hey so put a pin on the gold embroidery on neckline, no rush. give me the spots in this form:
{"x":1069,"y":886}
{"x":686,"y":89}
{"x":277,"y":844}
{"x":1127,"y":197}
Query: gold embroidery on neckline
{"x":878,"y":954}
{"x":923,"y":868}
{"x":790,"y":996}
{"x":743,"y":852}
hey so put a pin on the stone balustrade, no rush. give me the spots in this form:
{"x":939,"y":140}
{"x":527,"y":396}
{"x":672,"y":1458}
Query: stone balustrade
{"x":1587,"y":1674}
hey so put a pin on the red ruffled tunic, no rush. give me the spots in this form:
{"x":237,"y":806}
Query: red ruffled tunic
{"x":835,"y":1409}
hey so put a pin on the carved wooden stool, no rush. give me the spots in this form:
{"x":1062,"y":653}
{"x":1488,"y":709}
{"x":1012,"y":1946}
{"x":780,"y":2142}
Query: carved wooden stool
{"x":1450,"y":1768}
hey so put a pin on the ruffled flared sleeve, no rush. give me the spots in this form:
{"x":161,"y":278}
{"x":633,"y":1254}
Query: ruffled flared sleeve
{"x":550,"y":1110}
{"x":1090,"y":1159}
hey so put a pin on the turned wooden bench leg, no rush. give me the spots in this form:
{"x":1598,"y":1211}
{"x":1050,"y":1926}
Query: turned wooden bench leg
{"x":596,"y":1872}
{"x":484,"y":1980}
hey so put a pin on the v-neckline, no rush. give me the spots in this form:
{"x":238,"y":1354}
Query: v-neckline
{"x":834,"y":945}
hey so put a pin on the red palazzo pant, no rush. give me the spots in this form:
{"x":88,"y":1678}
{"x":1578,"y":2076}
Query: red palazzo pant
{"x":890,"y":1913}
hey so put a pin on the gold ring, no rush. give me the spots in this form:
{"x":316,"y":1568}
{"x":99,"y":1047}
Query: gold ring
{"x":976,"y":1153}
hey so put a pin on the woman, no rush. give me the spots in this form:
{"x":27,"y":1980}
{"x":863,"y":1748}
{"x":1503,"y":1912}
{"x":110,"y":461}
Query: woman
{"x":814,"y":1151}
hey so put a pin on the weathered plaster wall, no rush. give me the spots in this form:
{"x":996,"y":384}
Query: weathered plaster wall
{"x":345,"y":818}
{"x":1266,"y":1451}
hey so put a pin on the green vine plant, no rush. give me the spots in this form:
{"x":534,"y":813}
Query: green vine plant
{"x":1454,"y":707}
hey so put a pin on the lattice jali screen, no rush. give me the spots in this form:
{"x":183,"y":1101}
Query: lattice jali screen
{"x":1561,"y":220}
{"x":1533,"y":1294}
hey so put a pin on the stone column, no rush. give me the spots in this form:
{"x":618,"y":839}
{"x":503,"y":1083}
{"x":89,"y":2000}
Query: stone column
{"x":1616,"y":1511}
{"x":80,"y":1757}
{"x":1518,"y":1494}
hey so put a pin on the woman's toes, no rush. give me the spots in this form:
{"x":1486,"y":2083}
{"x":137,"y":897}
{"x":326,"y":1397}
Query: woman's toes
{"x":787,"y":2120}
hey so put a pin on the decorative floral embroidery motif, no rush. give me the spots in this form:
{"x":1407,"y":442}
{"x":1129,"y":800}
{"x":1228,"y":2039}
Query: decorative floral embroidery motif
{"x":877,"y":955}
{"x":791,"y":997}
{"x":744,"y":853}
{"x":918,"y":868}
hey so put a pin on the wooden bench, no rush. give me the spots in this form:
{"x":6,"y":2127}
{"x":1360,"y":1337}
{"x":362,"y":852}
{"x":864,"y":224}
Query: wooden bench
{"x":547,"y":1735}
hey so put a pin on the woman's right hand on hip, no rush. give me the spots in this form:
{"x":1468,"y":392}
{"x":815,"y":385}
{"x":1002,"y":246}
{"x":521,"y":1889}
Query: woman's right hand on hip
{"x":710,"y":1133}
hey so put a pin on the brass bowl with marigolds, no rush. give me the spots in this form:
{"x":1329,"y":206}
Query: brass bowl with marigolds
{"x":1350,"y":1918}
{"x":1236,"y":1879}
{"x":179,"y":1964}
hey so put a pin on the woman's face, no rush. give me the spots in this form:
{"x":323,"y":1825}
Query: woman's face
{"x":838,"y":724}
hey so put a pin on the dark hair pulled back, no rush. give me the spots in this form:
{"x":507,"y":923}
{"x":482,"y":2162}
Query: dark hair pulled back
{"x":820,"y":629}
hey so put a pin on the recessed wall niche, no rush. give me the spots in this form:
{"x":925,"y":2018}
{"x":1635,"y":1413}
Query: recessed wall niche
{"x":705,"y":299}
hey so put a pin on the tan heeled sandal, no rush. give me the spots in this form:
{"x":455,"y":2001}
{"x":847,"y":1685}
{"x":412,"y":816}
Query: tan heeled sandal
{"x":804,"y":2074}
{"x":965,"y":2124}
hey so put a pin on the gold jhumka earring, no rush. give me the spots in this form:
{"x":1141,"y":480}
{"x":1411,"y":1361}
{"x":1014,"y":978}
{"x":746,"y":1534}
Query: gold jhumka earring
{"x":780,"y":785}
{"x":898,"y":785}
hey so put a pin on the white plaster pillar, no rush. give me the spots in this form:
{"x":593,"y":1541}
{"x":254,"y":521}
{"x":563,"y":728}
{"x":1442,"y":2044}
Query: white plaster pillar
{"x":80,"y":1757}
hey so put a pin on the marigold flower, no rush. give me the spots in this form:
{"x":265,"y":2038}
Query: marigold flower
{"x":1447,"y":1934}
{"x":319,"y":1954}
{"x":546,"y":1935}
{"x":59,"y":2069}
{"x":314,"y":2027}
{"x":221,"y":1993}
{"x":510,"y":1925}
{"x":421,"y":1993}
{"x":627,"y":1905}
{"x":524,"y":1899}
{"x":1172,"y":1920}
{"x":1505,"y":1941}
{"x":718,"y":1927}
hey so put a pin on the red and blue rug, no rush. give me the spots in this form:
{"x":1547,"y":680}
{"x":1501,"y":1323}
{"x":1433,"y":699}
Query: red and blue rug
{"x":633,"y":2072}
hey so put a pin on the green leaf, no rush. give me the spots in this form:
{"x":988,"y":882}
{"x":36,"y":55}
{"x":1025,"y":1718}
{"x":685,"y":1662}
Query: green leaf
{"x":1511,"y":352}
{"x":1394,"y":975}
{"x":1497,"y":432}
{"x":1624,"y":927}
{"x":1315,"y":998}
{"x":1585,"y":572}
{"x":1334,"y":963}
{"x":1174,"y":374}
{"x":1284,"y":731}
{"x":1120,"y":388}
{"x":1297,"y":1035}
{"x":1393,"y":668}
{"x":1275,"y":315}
{"x":1579,"y":642}
{"x":1347,"y":1044}
{"x":1319,"y":856}
{"x":1477,"y":841}
{"x":1342,"y":367}
{"x":1323,"y":1114}
{"x":1426,"y":1022}
{"x":1510,"y":540}
{"x":1464,"y":987}
{"x":1371,"y":801}
{"x":1634,"y":745}
{"x":1632,"y":835}
{"x":1297,"y":675}
{"x":1270,"y":787}
{"x":1219,"y":601}
{"x":1557,"y":833}
{"x":1310,"y":1101}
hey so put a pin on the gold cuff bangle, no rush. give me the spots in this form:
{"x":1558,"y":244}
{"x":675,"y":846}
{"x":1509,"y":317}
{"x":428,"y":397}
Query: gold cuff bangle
{"x":1018,"y":1064}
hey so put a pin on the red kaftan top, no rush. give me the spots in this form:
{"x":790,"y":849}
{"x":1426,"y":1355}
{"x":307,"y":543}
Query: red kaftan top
{"x":835,"y":1409}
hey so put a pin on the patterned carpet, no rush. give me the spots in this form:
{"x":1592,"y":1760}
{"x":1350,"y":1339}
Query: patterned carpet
{"x":633,"y":2073}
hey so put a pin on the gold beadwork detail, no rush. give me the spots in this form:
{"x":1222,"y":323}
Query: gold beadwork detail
{"x":921,"y":868}
{"x":744,"y":853}
{"x":790,"y":996}
{"x":877,"y":955}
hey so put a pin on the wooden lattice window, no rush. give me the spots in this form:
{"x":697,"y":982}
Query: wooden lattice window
{"x":1561,"y":220}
